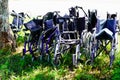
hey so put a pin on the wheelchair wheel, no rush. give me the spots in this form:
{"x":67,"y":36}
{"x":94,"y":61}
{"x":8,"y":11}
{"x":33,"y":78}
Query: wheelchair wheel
{"x":88,"y":46}
{"x":45,"y":48}
{"x":57,"y":54}
{"x":32,"y":45}
{"x":112,"y":57}
{"x":112,"y":52}
{"x":41,"y":48}
{"x":26,"y":47}
{"x":60,"y":50}
{"x":92,"y":49}
{"x":57,"y":60}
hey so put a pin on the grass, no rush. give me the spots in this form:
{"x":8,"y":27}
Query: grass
{"x":13,"y":67}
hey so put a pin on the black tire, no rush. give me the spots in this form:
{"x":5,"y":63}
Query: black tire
{"x":42,"y":48}
{"x":57,"y":60}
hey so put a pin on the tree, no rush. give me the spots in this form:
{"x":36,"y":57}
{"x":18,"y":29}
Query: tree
{"x":6,"y":36}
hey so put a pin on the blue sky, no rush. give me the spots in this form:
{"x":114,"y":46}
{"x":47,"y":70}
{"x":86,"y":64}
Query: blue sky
{"x":40,"y":7}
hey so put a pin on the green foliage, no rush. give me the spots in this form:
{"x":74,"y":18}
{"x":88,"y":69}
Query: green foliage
{"x":4,"y":52}
{"x":20,"y":39}
{"x":116,"y":70}
{"x":116,"y":74}
{"x":15,"y":68}
{"x":85,"y":76}
{"x":67,"y":59}
{"x":43,"y":76}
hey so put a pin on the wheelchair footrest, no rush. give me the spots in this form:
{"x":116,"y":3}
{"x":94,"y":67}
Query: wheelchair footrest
{"x":70,"y":41}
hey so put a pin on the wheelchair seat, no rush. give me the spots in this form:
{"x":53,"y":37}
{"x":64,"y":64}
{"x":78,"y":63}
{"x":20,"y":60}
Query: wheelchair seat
{"x":107,"y":30}
{"x":32,"y":26}
{"x":104,"y":34}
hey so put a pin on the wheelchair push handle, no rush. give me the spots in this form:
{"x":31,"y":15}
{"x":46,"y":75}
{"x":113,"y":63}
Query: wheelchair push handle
{"x":13,"y":11}
{"x":27,"y":15}
{"x":82,"y":10}
{"x":20,"y":15}
{"x":78,"y":7}
{"x":14,"y":14}
{"x":56,"y":12}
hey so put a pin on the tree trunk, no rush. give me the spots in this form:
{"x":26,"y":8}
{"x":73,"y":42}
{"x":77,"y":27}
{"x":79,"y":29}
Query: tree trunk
{"x":6,"y":36}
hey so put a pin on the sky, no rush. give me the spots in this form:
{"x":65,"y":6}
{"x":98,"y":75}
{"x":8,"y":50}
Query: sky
{"x":41,"y":7}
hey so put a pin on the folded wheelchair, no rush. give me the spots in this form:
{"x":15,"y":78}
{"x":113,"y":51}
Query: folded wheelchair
{"x":104,"y":38}
{"x":35,"y":26}
{"x":47,"y":37}
{"x":70,"y":28}
{"x":87,"y":34}
{"x":17,"y":22}
{"x":86,"y":28}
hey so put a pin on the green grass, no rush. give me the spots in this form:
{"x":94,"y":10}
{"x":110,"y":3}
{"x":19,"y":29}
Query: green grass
{"x":13,"y":67}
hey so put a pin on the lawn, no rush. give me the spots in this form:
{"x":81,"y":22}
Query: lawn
{"x":13,"y":67}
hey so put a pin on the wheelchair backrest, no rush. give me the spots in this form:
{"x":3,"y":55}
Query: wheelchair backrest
{"x":38,"y":22}
{"x":73,"y":12}
{"x":18,"y":20}
{"x":111,"y":16}
{"x":92,"y":20}
{"x":111,"y":25}
{"x":80,"y":24}
{"x":49,"y":20}
{"x":48,"y":24}
{"x":48,"y":16}
{"x":33,"y":25}
{"x":71,"y":24}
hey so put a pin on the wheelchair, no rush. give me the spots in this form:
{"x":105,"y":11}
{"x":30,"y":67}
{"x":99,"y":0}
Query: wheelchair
{"x":70,"y":28}
{"x":88,"y":33}
{"x":103,"y":36}
{"x":86,"y":28}
{"x":35,"y":26}
{"x":17,"y":22}
{"x":47,"y":38}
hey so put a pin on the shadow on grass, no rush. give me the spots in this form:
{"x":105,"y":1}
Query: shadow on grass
{"x":116,"y":69}
{"x":43,"y":76}
{"x":15,"y":65}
